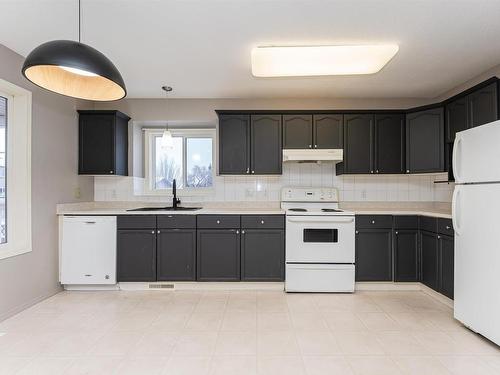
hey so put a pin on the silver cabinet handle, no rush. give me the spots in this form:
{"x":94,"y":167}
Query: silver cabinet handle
{"x":439,"y":237}
{"x":371,"y":171}
{"x":242,"y":232}
{"x":310,"y":146}
{"x":237,"y":232}
{"x":407,"y":171}
{"x":170,"y":216}
{"x":448,"y":227}
{"x":357,"y":232}
{"x":315,"y":146}
{"x":218,"y":221}
{"x":248,"y":170}
{"x":152,"y":232}
{"x":253,"y":171}
{"x":111,"y":172}
{"x":373,"y":221}
{"x":262,"y":221}
{"x":158,"y":232}
{"x":376,"y":171}
{"x":396,"y":232}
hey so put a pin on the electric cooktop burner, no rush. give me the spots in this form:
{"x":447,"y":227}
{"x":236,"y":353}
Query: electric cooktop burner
{"x":298,"y":209}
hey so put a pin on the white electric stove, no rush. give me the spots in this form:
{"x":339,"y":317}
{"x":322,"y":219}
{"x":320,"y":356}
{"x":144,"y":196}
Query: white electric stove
{"x":319,"y":241}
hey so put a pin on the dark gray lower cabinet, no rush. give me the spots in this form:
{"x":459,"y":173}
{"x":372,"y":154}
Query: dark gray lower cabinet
{"x":374,"y":255}
{"x":430,"y":259}
{"x":218,"y":255}
{"x":136,"y":255}
{"x":406,"y":255}
{"x":262,"y":255}
{"x":176,"y":255}
{"x":446,"y":265}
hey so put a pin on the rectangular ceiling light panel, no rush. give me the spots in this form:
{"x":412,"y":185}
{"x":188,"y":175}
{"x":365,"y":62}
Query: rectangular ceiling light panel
{"x":320,"y":60}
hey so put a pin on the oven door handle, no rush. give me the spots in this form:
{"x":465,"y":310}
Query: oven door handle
{"x":324,"y":219}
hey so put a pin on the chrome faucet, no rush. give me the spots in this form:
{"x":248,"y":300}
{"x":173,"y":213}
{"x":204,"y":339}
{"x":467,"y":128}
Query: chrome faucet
{"x":175,"y":200}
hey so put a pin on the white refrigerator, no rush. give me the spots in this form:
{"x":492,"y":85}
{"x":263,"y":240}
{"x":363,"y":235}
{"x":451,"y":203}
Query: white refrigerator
{"x":476,"y":220}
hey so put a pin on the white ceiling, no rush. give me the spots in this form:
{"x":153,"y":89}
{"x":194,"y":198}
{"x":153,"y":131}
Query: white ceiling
{"x":202,"y":47}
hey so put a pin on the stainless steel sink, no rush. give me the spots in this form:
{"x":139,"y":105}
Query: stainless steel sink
{"x":165,"y":209}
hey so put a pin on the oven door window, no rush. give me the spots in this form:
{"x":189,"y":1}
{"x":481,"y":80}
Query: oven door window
{"x":321,"y":235}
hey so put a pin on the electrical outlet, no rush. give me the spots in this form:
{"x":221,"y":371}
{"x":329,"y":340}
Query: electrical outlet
{"x":77,"y":193}
{"x":363,"y":194}
{"x":113,"y":193}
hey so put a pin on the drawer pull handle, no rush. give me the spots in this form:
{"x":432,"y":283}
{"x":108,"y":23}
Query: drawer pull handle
{"x":373,"y":221}
{"x":262,"y":221}
{"x":90,"y":222}
{"x":218,"y":221}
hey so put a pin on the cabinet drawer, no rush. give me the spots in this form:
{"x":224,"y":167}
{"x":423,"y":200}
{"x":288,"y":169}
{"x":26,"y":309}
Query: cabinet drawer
{"x":176,"y":221}
{"x":262,"y":221}
{"x":136,"y":222}
{"x":406,"y":222}
{"x":218,"y":221}
{"x":445,"y":227}
{"x":373,"y":221}
{"x":428,"y":223}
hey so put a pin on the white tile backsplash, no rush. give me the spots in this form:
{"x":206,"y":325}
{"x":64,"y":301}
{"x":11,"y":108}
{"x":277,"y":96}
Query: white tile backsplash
{"x":393,"y":188}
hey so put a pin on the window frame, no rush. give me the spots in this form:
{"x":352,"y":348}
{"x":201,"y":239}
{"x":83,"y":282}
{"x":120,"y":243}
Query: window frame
{"x":18,"y":170}
{"x":150,"y":136}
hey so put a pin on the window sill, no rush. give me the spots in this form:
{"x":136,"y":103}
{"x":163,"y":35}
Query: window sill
{"x":4,"y":254}
{"x":180,"y":193}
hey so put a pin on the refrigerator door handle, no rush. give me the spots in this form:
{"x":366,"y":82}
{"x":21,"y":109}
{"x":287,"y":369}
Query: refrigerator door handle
{"x":454,"y":210}
{"x":456,"y":154}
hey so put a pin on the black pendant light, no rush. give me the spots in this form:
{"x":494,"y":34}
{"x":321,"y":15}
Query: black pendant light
{"x":74,"y":69}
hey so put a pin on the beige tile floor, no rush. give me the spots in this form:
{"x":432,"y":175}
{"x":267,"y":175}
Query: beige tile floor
{"x":247,"y":332}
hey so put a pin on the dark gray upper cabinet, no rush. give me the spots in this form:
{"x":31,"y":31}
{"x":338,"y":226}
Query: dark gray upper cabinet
{"x":425,"y":141}
{"x":328,"y":131}
{"x":483,"y":105}
{"x":266,"y":154}
{"x":456,"y":118}
{"x":103,"y":143}
{"x":358,"y":145}
{"x":176,"y":254}
{"x":297,"y":131}
{"x":262,"y":254}
{"x":218,"y":255}
{"x":234,"y":148}
{"x":136,"y":255}
{"x":406,"y":266}
{"x":373,"y":254}
{"x":430,"y":259}
{"x":389,"y":143}
{"x":446,"y":265}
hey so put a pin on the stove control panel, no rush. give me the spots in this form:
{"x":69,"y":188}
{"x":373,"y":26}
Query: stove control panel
{"x":291,"y":194}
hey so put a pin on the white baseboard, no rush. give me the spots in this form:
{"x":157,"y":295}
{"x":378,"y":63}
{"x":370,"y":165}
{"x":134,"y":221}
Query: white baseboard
{"x":28,"y":304}
{"x":91,"y":287}
{"x":441,"y":298}
{"x":193,"y":285}
{"x":389,"y":285}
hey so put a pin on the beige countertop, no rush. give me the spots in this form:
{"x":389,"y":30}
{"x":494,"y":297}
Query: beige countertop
{"x":270,"y":208}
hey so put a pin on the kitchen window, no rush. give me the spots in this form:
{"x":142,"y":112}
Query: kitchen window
{"x":15,"y":170}
{"x":184,"y":155}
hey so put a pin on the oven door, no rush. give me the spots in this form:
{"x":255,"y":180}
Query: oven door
{"x":320,"y":239}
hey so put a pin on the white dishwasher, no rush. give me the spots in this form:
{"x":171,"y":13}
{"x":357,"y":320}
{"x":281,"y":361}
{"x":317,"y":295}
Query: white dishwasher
{"x":88,"y":250}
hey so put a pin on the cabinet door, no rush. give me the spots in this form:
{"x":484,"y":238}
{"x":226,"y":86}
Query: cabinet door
{"x":374,"y":255}
{"x":96,"y":144}
{"x":430,"y":258}
{"x":456,"y":118}
{"x":328,"y":131}
{"x":266,"y":153}
{"x":483,"y":106}
{"x":358,"y":144}
{"x":234,"y":150}
{"x":136,"y":255}
{"x":218,"y":255}
{"x":447,"y":265}
{"x":425,"y":141}
{"x":389,"y":143}
{"x":262,"y":255}
{"x":297,"y":131}
{"x":176,"y":249}
{"x":406,"y":255}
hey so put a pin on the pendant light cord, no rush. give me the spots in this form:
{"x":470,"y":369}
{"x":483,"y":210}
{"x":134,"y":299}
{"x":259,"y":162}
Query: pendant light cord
{"x":79,"y":21}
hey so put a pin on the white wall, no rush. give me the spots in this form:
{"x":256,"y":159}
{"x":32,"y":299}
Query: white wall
{"x":27,"y":278}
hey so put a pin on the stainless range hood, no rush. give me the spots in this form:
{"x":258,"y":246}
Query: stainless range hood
{"x":318,"y":155}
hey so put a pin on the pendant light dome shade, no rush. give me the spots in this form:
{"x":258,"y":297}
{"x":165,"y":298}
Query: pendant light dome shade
{"x":74,"y":69}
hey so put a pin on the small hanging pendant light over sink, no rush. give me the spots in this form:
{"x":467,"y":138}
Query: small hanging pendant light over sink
{"x":74,"y":69}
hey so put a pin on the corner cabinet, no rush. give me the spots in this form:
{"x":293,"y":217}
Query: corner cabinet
{"x":103,"y":143}
{"x":250,"y":144}
{"x":425,"y":141}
